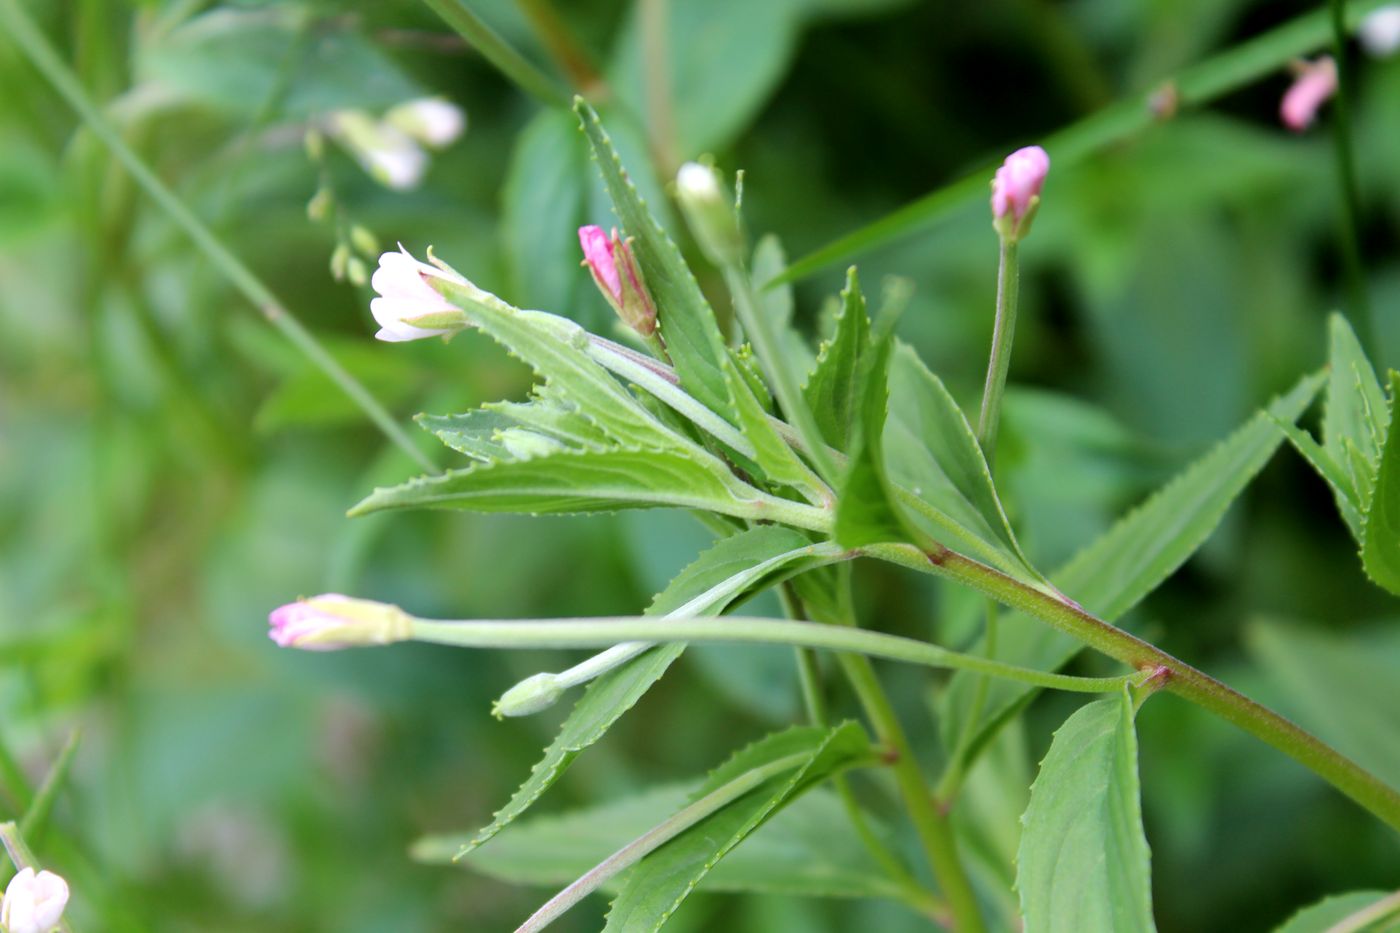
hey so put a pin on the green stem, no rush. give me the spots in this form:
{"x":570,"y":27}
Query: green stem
{"x":951,"y":781}
{"x":568,"y":54}
{"x":1196,"y":85}
{"x":1175,"y":675}
{"x":500,"y":53}
{"x":654,"y":838}
{"x":760,"y":332}
{"x":36,"y":816}
{"x":933,"y":828}
{"x":815,"y":703}
{"x":1003,"y":335}
{"x":44,"y":57}
{"x":602,"y":631}
{"x":1360,"y":305}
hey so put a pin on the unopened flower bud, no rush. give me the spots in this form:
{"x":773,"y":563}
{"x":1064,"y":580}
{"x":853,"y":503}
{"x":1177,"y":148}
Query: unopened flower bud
{"x":710,"y":213}
{"x":364,"y":241}
{"x":1314,"y":85}
{"x":356,"y":272}
{"x":1016,"y":191}
{"x":408,"y":307}
{"x":618,"y":277}
{"x":340,"y":259}
{"x":430,"y":120}
{"x":1379,"y":32}
{"x":528,"y":697}
{"x":315,"y":145}
{"x":319,"y":207}
{"x":331,"y":621}
{"x":33,"y":902}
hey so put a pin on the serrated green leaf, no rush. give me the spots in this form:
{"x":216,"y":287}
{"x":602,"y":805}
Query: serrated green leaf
{"x":866,"y":511}
{"x":684,"y":317}
{"x":806,"y":850}
{"x":833,"y":386}
{"x":472,"y":433}
{"x":1354,"y":406}
{"x":1380,"y":541}
{"x":707,"y":586}
{"x":660,"y":882}
{"x":1132,"y":558}
{"x":1343,"y":688}
{"x":1326,"y":915}
{"x":778,"y":461}
{"x":932,"y":451}
{"x":572,"y":481}
{"x":1083,"y":865}
{"x":1338,"y":477}
{"x":556,"y":348}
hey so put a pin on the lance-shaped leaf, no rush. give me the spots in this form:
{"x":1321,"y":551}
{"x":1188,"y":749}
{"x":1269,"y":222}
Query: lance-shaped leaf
{"x":778,"y":303}
{"x":657,"y":886}
{"x":569,"y":481}
{"x":778,"y":461}
{"x":1083,"y":864}
{"x":1380,"y":541}
{"x":1132,"y":558}
{"x":557,"y":349}
{"x":833,"y":388}
{"x":709,"y":585}
{"x":932,"y":451}
{"x":477,"y":433}
{"x":1356,"y":912}
{"x":807,"y":850}
{"x":686,"y":321}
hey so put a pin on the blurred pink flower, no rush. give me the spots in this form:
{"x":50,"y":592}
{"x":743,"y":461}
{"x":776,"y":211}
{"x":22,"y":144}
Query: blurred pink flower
{"x":1315,"y":84}
{"x":331,"y":621}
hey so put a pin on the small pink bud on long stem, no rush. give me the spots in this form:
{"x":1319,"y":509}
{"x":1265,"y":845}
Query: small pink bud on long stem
{"x":1314,"y":86}
{"x":1016,"y":191}
{"x":330,"y":622}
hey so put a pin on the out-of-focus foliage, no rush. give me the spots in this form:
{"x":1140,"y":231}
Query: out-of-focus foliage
{"x":170,"y":469}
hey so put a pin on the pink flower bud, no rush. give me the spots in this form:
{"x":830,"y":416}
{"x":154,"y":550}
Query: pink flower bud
{"x":405,"y":295}
{"x":598,"y":255}
{"x":330,"y":622}
{"x":618,"y":277}
{"x":33,"y":903}
{"x":1315,"y":84}
{"x":1016,"y":188}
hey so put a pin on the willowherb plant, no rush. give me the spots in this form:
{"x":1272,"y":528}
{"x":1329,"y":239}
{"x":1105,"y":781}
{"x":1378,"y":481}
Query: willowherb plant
{"x":801,"y":471}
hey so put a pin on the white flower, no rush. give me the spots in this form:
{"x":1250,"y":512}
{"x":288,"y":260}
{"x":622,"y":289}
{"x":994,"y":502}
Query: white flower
{"x":33,"y":903}
{"x":404,"y":294}
{"x":1380,"y":31}
{"x":386,"y":152}
{"x":432,"y":121}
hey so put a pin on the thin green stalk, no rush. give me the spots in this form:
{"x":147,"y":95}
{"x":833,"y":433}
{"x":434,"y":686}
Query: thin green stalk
{"x":1359,"y":304}
{"x":1196,"y":85}
{"x":568,"y":54}
{"x":602,"y":631}
{"x":951,"y":781}
{"x":760,"y":332}
{"x":815,"y":703}
{"x":1003,"y":336}
{"x":42,"y":54}
{"x":22,"y":857}
{"x":1172,"y":674}
{"x":36,"y":816}
{"x":654,"y":838}
{"x":933,"y":827}
{"x":499,"y":53}
{"x":661,"y":118}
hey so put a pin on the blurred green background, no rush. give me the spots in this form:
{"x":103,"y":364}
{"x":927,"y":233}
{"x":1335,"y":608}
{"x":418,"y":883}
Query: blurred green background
{"x":171,"y":468}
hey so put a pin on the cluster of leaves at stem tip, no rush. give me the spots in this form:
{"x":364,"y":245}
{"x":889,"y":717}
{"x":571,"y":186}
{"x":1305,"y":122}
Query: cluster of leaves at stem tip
{"x":800,"y":459}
